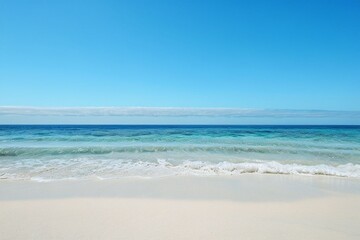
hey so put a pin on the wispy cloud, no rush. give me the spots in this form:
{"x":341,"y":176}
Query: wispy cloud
{"x":174,"y":112}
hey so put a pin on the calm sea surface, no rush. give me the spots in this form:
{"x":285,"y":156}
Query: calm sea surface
{"x":55,"y":152}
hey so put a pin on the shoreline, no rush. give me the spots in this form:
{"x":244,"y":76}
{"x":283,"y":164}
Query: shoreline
{"x":249,"y":187}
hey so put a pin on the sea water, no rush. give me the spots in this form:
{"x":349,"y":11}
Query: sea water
{"x":57,"y":152}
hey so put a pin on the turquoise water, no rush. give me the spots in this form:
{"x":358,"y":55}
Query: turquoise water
{"x":46,"y":153}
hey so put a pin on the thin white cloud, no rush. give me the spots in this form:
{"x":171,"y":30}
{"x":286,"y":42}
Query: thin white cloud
{"x":174,"y":112}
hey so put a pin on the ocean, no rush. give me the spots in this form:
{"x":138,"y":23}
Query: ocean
{"x":60,"y":152}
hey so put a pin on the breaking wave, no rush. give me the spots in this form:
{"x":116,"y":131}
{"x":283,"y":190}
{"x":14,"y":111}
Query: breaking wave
{"x":92,"y":150}
{"x":103,"y":169}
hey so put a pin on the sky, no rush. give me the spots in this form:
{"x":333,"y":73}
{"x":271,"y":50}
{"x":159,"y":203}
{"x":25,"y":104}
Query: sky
{"x":262,"y":55}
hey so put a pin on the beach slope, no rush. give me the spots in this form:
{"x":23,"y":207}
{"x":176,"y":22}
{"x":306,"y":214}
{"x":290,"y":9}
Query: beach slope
{"x":245,"y":207}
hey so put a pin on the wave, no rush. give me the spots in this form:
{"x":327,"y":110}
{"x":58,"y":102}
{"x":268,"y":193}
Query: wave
{"x":55,"y":151}
{"x":105,"y":169}
{"x":226,"y":168}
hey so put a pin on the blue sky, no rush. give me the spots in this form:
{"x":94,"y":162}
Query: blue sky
{"x":193,"y":54}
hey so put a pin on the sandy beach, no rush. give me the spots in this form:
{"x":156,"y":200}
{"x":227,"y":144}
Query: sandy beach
{"x":244,"y":207}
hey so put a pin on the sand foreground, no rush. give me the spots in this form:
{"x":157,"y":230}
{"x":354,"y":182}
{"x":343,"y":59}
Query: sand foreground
{"x":245,"y":207}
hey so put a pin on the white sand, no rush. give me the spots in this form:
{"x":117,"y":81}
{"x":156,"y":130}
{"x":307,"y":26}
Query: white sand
{"x":247,"y":207}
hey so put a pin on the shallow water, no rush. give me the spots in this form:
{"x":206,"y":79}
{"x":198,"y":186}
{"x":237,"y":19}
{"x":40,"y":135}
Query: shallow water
{"x":61,"y":152}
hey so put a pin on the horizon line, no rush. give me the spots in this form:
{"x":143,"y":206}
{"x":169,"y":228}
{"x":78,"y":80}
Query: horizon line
{"x":175,"y":112}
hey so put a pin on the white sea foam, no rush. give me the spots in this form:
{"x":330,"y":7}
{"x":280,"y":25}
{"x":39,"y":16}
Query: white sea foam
{"x":226,"y":168}
{"x":103,"y":170}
